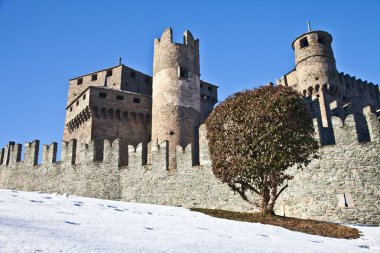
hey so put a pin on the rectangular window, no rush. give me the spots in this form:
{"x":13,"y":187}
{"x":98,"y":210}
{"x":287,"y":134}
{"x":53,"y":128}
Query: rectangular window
{"x":77,"y":102}
{"x":102,"y":95}
{"x":71,"y":109}
{"x":79,"y":81}
{"x":183,"y":73}
{"x":304,"y":43}
{"x":119,"y":97}
{"x":84,"y":96}
{"x":133,"y":74}
{"x":136,"y":100}
{"x":209,"y":88}
{"x":94,"y":77}
{"x":147,"y":80}
{"x":109,"y":73}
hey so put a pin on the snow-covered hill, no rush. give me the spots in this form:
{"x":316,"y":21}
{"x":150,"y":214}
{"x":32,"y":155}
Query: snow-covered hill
{"x":37,"y":222}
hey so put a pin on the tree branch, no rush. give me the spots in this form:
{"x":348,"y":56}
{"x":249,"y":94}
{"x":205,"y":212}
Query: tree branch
{"x":242,"y":193}
{"x":278,"y":194}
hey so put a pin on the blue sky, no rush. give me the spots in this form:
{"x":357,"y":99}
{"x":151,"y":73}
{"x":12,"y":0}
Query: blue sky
{"x":243,"y":44}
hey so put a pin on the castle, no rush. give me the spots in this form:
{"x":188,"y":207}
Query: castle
{"x":132,"y":137}
{"x":119,"y":102}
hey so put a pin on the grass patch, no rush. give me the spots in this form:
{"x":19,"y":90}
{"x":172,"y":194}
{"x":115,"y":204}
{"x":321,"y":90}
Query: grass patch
{"x":312,"y":227}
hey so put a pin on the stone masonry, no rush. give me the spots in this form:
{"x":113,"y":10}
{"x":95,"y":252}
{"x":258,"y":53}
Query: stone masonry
{"x":127,"y":138}
{"x":342,"y":185}
{"x":176,"y":92}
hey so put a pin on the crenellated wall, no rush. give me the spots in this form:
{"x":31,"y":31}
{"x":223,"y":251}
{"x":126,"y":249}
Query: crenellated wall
{"x":121,"y":174}
{"x":342,"y":185}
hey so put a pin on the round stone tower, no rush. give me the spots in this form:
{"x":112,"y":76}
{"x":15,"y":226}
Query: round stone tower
{"x":176,"y":92}
{"x":315,"y":63}
{"x":316,"y":71}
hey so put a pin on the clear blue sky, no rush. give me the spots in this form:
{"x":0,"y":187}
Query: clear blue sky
{"x":243,"y":44}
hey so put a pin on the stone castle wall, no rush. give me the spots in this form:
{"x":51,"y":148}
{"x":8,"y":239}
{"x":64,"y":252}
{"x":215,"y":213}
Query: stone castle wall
{"x":342,"y":185}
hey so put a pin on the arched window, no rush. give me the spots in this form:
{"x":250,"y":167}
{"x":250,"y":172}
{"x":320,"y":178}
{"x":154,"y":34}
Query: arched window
{"x":117,"y":114}
{"x":103,"y":112}
{"x":110,"y":114}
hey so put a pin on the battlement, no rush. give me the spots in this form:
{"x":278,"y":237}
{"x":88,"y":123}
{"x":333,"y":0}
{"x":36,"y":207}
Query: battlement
{"x":345,"y":130}
{"x":167,"y":38}
{"x":169,"y":54}
{"x":115,"y":154}
{"x":356,"y":87}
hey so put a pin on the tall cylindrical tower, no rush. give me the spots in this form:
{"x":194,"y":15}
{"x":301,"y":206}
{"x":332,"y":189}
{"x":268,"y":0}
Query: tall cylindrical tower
{"x":315,"y":62}
{"x":176,"y":92}
{"x":316,"y":70}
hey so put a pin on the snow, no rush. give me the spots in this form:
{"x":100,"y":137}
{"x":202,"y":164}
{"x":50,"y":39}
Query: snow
{"x":39,"y":222}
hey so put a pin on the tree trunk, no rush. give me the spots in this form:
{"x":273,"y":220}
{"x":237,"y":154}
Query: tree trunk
{"x":272,"y":199}
{"x":266,"y":202}
{"x":268,"y":199}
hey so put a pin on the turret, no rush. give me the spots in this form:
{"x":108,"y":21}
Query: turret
{"x":316,"y":69}
{"x":176,"y":92}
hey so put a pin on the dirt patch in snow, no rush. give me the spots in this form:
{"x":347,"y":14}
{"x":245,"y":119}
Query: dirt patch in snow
{"x":301,"y":225}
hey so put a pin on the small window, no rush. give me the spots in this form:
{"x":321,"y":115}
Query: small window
{"x":183,"y":73}
{"x":71,"y":109}
{"x":209,"y":88}
{"x":119,"y":97}
{"x":133,"y":74}
{"x":304,"y":43}
{"x":147,"y":80}
{"x":79,"y":81}
{"x":102,"y":95}
{"x":77,"y":102}
{"x":109,"y":73}
{"x":136,"y":100}
{"x":84,"y":96}
{"x":201,"y":85}
{"x":94,"y":77}
{"x":322,"y":40}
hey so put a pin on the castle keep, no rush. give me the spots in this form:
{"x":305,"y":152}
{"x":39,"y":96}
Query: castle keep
{"x":117,"y":102}
{"x":132,"y":137}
